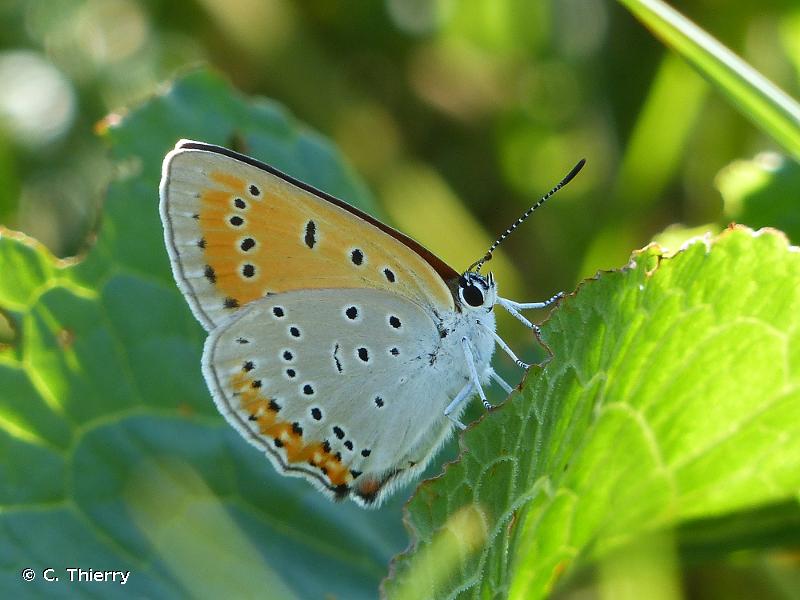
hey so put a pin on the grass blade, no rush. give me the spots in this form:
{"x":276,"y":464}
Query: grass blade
{"x":767,"y":106}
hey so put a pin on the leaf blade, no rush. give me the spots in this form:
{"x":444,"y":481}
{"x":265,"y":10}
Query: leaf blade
{"x":761,"y":101}
{"x":673,"y":394}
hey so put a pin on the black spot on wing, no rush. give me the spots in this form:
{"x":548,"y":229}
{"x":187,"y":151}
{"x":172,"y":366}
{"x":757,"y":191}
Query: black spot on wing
{"x":311,"y":234}
{"x":209,"y":274}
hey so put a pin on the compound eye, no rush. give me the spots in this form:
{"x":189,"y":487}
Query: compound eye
{"x":472,"y":295}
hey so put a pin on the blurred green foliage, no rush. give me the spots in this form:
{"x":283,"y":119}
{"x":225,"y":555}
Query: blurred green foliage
{"x":466,"y":110}
{"x":763,"y":192}
{"x":496,"y":98}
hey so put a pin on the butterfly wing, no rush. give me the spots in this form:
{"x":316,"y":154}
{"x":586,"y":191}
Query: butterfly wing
{"x":337,"y":386}
{"x":238,"y":230}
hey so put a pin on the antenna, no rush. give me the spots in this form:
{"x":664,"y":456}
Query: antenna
{"x":488,"y":256}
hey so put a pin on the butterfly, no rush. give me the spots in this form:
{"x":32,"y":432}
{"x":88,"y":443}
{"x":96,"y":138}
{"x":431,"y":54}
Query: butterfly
{"x":339,"y":346}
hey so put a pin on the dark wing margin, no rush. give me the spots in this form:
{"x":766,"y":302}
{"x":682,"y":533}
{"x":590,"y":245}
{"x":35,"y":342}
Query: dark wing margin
{"x":445,"y":271}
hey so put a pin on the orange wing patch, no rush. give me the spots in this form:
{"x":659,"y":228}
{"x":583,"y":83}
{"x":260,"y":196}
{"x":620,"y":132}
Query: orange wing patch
{"x":237,"y":232}
{"x":284,"y":238}
{"x":288,"y":437}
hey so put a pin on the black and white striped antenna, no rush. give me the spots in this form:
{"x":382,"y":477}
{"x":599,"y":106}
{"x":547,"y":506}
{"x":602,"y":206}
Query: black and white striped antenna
{"x":476,"y":266}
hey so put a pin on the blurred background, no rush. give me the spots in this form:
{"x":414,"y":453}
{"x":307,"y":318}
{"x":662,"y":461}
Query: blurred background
{"x":466,"y":111}
{"x":458,"y":115}
{"x":471,"y":108}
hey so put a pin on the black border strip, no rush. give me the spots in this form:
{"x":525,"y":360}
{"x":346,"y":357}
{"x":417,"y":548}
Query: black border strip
{"x":445,"y":271}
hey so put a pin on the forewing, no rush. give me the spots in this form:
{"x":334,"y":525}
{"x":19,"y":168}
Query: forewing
{"x":335,"y":385}
{"x":237,"y":230}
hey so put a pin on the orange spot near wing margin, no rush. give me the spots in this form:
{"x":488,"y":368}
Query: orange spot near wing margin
{"x":288,"y":438}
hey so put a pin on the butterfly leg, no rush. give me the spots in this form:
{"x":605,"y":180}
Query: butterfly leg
{"x":500,"y":381}
{"x":513,"y":309}
{"x":504,"y":346}
{"x":460,"y":397}
{"x":473,"y":372}
{"x":515,"y":313}
{"x":531,"y":305}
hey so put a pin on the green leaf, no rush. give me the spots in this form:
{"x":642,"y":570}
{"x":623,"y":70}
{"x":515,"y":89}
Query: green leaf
{"x":763,"y":527}
{"x":673,"y":394}
{"x":768,"y":107}
{"x":763,"y":192}
{"x":676,"y":235}
{"x":113,"y":455}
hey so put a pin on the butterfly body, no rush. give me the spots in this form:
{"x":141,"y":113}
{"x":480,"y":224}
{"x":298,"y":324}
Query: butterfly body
{"x":340,"y":347}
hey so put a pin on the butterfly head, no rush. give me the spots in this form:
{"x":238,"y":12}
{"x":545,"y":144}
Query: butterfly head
{"x":476,"y":291}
